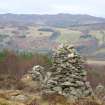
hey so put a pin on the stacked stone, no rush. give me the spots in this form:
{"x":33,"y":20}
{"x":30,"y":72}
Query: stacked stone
{"x":68,"y":76}
{"x":37,"y":73}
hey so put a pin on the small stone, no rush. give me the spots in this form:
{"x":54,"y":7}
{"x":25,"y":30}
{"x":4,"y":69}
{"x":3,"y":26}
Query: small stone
{"x":66,"y":84}
{"x":80,"y":83}
{"x":99,"y":89}
{"x":58,"y":89}
{"x":20,"y":98}
{"x":73,"y":92}
{"x":70,"y":55}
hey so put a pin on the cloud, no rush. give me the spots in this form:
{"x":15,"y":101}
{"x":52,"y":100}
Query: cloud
{"x":92,"y":7}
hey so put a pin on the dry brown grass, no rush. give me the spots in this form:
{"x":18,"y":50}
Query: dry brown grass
{"x":60,"y":100}
{"x":7,"y":102}
{"x":96,"y":73}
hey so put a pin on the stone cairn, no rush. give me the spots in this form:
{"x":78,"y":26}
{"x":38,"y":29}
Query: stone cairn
{"x":37,"y":73}
{"x":67,"y":75}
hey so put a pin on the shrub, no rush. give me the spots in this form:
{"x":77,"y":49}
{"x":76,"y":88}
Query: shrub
{"x":14,"y":66}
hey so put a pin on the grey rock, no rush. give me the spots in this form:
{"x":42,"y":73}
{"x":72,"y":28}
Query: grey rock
{"x":20,"y":98}
{"x":100,"y":89}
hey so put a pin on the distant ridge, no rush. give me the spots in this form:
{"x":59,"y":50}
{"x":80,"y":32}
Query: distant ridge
{"x":57,"y":20}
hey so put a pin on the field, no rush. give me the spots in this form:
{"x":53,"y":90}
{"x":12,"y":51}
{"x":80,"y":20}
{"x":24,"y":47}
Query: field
{"x":98,"y":34}
{"x":27,"y":31}
{"x":68,"y":35}
{"x":33,"y":31}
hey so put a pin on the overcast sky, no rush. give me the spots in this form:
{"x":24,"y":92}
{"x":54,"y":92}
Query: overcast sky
{"x":92,"y":7}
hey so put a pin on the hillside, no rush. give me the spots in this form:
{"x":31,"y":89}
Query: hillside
{"x":41,"y":33}
{"x":58,"y":20}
